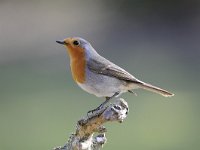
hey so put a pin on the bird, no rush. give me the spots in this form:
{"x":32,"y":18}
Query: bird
{"x":98,"y":75}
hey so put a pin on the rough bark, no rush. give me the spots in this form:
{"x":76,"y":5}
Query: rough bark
{"x":84,"y":137}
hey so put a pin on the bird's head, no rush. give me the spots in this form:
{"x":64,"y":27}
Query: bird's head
{"x":75,"y":45}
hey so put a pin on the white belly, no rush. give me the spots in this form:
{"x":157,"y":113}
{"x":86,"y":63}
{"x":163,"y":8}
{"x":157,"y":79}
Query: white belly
{"x":103,"y":86}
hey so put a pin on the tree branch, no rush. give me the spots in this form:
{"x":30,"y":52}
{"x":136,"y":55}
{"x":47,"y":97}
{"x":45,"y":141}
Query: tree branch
{"x":84,"y":138}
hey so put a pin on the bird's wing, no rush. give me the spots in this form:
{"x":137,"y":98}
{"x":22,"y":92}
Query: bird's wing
{"x":105,"y":67}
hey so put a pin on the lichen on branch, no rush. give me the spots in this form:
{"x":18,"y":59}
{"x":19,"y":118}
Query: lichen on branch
{"x":84,"y":138}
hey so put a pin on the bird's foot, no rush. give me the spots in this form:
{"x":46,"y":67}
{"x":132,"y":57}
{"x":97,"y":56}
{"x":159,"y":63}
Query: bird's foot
{"x":91,"y":112}
{"x":102,"y":105}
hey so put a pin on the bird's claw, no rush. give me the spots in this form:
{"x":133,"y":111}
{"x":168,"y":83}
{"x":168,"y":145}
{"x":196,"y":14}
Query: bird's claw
{"x":94,"y":110}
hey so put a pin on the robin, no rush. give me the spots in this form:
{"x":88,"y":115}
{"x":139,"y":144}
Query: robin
{"x":99,"y":76}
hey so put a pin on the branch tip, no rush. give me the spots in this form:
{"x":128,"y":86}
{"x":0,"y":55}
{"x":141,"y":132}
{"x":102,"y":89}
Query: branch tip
{"x":86,"y":127}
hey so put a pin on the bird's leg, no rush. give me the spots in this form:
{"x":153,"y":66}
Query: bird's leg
{"x":104,"y":103}
{"x":107,"y":100}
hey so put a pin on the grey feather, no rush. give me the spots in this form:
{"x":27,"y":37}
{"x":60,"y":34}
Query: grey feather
{"x":105,"y":67}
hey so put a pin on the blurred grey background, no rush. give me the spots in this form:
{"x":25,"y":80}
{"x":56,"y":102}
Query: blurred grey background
{"x":158,"y":41}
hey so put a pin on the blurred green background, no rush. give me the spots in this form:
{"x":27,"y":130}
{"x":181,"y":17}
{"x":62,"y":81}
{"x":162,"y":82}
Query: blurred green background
{"x":158,"y":41}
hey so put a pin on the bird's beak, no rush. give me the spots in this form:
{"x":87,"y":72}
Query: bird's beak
{"x":61,"y":42}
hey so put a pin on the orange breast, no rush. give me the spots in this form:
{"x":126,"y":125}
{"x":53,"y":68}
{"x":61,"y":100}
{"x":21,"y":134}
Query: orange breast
{"x":77,"y":63}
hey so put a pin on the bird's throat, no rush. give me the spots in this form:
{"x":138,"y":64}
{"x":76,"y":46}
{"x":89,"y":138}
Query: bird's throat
{"x":78,"y":64}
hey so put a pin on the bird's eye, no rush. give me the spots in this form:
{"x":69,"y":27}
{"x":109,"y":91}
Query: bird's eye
{"x":76,"y":42}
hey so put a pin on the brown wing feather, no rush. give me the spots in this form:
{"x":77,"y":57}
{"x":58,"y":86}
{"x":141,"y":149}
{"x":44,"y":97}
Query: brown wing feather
{"x":105,"y":67}
{"x":109,"y":69}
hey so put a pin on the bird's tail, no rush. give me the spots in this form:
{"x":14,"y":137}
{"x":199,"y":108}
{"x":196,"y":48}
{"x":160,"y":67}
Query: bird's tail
{"x":155,"y":89}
